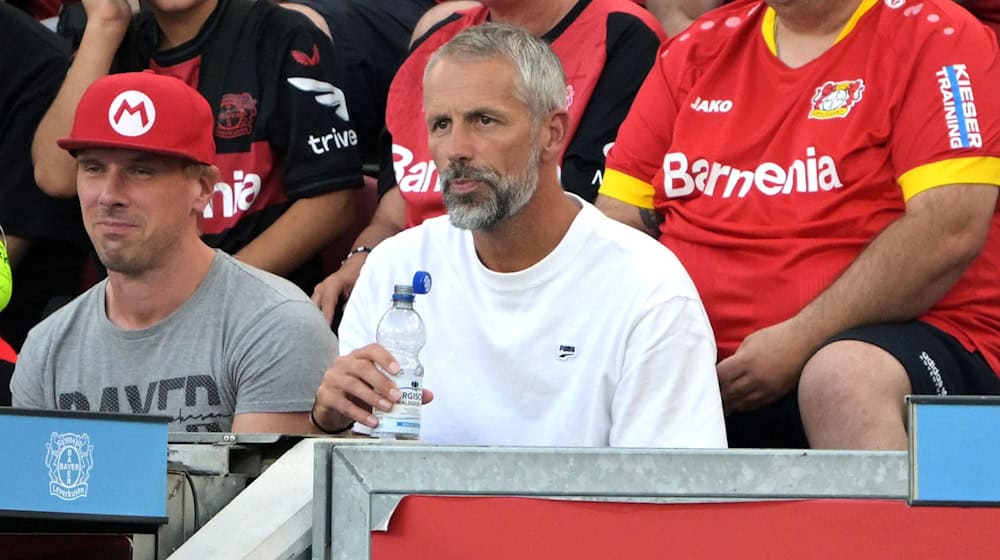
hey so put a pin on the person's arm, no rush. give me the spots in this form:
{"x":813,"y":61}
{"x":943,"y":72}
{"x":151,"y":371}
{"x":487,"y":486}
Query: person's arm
{"x":668,"y":395}
{"x":899,"y":276}
{"x":275,"y":366}
{"x":676,"y":15}
{"x":306,"y":228}
{"x":646,"y":220}
{"x":273,"y":423}
{"x":319,"y":182}
{"x":107,"y":23}
{"x":389,"y":219}
{"x":27,"y":384}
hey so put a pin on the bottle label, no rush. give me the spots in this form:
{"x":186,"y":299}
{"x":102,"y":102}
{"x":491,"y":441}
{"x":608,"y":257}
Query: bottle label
{"x":404,"y":418}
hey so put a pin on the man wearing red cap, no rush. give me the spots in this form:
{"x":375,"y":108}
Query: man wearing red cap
{"x":177,"y":328}
{"x":285,"y":140}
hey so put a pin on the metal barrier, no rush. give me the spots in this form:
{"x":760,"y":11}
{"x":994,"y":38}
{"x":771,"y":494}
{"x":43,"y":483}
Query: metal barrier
{"x":357,"y":487}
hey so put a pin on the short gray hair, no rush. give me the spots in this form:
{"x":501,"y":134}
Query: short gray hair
{"x":540,"y":83}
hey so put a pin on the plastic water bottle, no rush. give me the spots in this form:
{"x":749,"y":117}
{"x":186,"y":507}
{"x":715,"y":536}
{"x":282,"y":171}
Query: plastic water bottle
{"x":401,"y":332}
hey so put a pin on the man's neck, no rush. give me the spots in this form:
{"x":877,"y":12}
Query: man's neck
{"x":177,"y":28}
{"x":526,"y":238}
{"x":140,"y":301}
{"x":805,"y":29}
{"x":538,"y":17}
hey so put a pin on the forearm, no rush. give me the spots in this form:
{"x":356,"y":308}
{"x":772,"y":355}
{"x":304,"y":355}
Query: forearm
{"x":646,"y":220}
{"x":55,"y":169}
{"x":306,"y":228}
{"x":905,"y":270}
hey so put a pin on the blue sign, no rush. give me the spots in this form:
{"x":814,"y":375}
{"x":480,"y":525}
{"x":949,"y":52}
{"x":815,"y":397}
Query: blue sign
{"x":954,"y":450}
{"x":92,"y":465}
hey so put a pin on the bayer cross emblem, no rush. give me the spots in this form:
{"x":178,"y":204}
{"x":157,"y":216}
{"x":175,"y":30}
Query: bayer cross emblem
{"x":69,"y":459}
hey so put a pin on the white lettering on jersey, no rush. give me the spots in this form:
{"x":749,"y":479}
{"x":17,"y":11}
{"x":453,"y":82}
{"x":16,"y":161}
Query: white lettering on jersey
{"x":712,"y":178}
{"x":235,"y":198}
{"x":334,"y":140}
{"x":712,"y":105}
{"x":413,"y":176}
{"x":960,"y":115}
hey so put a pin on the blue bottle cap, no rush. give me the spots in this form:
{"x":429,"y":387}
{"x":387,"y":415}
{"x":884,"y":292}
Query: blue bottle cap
{"x":421,"y":282}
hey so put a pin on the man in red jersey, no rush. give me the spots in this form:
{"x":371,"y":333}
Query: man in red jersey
{"x":826,"y":170}
{"x":606,"y":48}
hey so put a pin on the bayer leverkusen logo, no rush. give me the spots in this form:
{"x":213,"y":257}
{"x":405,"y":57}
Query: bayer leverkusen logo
{"x":132,"y":113}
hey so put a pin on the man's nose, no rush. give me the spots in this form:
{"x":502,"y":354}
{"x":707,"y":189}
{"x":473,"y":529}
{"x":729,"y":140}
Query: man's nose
{"x":458,"y":144}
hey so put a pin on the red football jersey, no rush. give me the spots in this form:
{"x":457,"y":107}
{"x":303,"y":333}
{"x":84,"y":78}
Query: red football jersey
{"x":773,"y":179}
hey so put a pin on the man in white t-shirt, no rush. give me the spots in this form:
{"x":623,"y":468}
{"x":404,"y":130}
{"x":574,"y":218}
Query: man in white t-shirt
{"x":549,"y":324}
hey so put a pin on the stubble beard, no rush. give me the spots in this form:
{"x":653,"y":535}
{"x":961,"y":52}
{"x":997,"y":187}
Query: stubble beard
{"x":503,"y":197}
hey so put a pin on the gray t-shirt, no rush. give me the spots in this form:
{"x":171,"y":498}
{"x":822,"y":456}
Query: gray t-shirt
{"x":246,"y":341}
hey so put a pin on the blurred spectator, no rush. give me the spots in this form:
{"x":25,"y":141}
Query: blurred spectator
{"x":287,"y":148}
{"x":371,"y":38}
{"x":177,"y":328}
{"x":45,"y":237}
{"x":521,"y":270}
{"x":606,"y":47}
{"x":835,"y":208}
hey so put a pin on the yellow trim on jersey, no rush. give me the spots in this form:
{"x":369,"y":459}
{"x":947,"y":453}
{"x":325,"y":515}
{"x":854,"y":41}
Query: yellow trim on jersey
{"x":985,"y":170}
{"x":767,"y":28}
{"x":767,"y":25}
{"x":627,"y":188}
{"x":862,"y":10}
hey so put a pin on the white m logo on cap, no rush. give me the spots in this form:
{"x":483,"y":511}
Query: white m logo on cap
{"x":132,"y":113}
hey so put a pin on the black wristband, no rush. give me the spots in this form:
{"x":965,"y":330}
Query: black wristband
{"x":312,"y":418}
{"x":355,"y":251}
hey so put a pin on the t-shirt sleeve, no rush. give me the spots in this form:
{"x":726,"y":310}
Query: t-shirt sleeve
{"x":312,"y":127}
{"x":646,"y":133}
{"x":28,"y":382}
{"x":668,"y":394}
{"x":631,"y":52}
{"x":948,"y":127}
{"x":279,"y":361}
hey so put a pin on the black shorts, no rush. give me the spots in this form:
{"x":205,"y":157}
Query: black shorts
{"x":935,"y":362}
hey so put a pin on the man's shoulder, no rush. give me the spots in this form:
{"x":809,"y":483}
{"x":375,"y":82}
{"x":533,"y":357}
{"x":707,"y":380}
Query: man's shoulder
{"x":70,"y":316}
{"x":434,"y":232}
{"x":607,"y":8}
{"x":256,"y":286}
{"x":630,"y":254}
{"x":908,"y":24}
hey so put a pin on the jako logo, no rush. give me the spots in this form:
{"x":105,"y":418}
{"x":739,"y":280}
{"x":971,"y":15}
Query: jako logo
{"x":421,"y":176}
{"x":812,"y":175}
{"x":131,"y":113}
{"x":712,"y":105}
{"x":236,"y":198}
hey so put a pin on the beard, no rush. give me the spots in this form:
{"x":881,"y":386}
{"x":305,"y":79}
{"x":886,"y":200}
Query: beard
{"x":504,"y":196}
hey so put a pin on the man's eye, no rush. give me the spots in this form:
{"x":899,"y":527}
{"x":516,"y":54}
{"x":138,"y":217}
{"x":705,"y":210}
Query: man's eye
{"x":483,"y":119}
{"x":440,"y":125}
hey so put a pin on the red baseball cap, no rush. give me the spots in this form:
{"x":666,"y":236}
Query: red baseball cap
{"x":146,"y":112}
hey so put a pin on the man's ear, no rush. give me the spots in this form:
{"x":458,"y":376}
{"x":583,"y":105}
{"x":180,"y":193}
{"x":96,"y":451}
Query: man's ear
{"x":555,"y":134}
{"x":206,"y":183}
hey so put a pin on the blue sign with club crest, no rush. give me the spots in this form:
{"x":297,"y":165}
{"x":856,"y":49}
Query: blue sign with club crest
{"x":92,"y":466}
